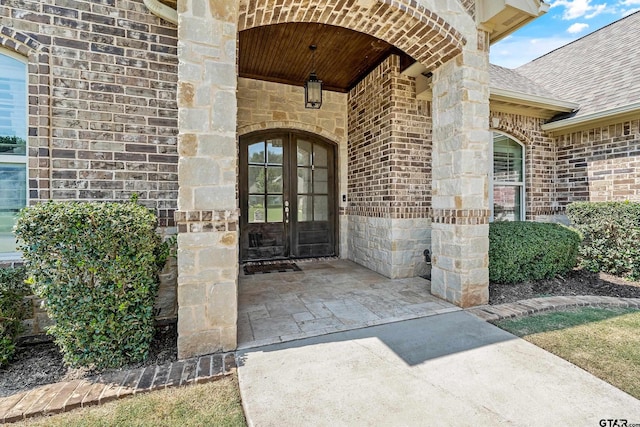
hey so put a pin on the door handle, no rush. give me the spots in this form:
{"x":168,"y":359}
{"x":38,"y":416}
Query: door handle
{"x":286,"y":212}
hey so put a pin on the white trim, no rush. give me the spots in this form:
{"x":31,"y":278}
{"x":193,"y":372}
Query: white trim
{"x":19,"y":159}
{"x":522,"y":184}
{"x":600,"y":115}
{"x":423,"y":91}
{"x":11,"y":257}
{"x":15,"y":55}
{"x":162,"y":11}
{"x":532,"y":100}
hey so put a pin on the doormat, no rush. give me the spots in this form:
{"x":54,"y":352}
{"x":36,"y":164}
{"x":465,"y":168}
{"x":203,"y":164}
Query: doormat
{"x":278,"y":267}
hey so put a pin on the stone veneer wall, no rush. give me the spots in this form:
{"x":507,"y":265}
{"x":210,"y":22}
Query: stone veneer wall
{"x":540,"y":155}
{"x":599,"y":164}
{"x":460,"y":172}
{"x":102,"y":108}
{"x":389,"y":174}
{"x":266,"y":105}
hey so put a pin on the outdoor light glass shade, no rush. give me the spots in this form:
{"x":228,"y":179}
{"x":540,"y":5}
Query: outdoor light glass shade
{"x":313,"y":92}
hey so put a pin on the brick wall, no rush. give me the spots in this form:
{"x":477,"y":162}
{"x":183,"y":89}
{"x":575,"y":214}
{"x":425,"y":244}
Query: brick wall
{"x":389,"y":146}
{"x":389,"y":177}
{"x":102,"y":109}
{"x":599,"y":164}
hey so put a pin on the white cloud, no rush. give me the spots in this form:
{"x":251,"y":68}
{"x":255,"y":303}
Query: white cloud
{"x":574,"y":9}
{"x":596,"y":11}
{"x":516,"y":51}
{"x":630,"y":11}
{"x":630,"y":2}
{"x":577,"y":28}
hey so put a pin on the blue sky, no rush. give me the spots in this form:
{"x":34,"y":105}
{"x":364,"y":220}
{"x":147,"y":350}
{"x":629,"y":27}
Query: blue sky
{"x":566,"y":20}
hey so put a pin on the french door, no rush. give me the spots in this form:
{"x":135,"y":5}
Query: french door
{"x":287,"y":196}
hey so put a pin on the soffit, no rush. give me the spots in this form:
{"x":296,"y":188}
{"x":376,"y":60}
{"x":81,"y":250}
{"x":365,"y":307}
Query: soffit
{"x":280,"y":53}
{"x":498,"y":105}
{"x":170,"y":3}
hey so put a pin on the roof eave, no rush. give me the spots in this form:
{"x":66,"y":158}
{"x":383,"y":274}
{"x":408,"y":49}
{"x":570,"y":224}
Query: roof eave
{"x":529,"y":100}
{"x":502,"y":17}
{"x":580,"y":121}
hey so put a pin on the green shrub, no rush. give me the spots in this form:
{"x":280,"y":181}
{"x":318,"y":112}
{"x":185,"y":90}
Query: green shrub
{"x":12,"y":290}
{"x":95,"y":265}
{"x":520,"y":251}
{"x":611,"y":233}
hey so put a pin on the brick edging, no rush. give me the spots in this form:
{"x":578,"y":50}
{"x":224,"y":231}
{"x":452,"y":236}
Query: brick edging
{"x":527,"y":307}
{"x":65,"y":396}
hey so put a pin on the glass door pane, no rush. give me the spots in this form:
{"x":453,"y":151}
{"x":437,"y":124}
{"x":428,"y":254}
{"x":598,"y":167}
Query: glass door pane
{"x":263,"y":228}
{"x":313,"y":231}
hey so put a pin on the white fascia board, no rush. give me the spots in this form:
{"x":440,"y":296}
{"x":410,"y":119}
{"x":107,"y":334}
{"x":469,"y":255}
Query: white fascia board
{"x":600,"y":115}
{"x":162,"y":11}
{"x":532,"y":100}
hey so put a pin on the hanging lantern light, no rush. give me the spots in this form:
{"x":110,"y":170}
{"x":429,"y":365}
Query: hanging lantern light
{"x":313,"y":86}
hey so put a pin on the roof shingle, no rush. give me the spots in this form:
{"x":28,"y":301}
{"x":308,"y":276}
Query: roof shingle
{"x":599,"y":71}
{"x":504,"y":78}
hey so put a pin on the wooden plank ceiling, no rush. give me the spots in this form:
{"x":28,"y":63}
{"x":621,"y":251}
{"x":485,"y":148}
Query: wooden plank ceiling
{"x":280,"y":53}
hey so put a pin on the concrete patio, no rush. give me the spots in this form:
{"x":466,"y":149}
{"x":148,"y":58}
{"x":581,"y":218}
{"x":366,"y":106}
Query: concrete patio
{"x":325,"y":297}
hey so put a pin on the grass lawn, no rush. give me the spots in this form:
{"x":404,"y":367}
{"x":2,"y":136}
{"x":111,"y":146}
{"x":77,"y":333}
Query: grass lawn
{"x":605,"y":342}
{"x":211,"y":404}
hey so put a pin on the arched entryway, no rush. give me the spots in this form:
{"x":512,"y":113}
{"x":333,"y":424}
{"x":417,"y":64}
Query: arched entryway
{"x":287,"y":188}
{"x":442,"y":37}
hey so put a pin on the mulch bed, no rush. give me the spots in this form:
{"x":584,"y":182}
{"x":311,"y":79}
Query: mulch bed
{"x":36,"y":365}
{"x":577,"y":282}
{"x":40,"y":364}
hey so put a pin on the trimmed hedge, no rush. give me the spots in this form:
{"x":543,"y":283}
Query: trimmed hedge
{"x":611,"y":233}
{"x":12,"y":291}
{"x":96,"y":266}
{"x":521,"y":251}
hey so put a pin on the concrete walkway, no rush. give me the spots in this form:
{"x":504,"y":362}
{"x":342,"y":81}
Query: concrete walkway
{"x":448,"y":369}
{"x":421,"y":340}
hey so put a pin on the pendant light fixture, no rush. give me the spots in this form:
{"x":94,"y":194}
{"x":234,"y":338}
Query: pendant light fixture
{"x":313,"y":86}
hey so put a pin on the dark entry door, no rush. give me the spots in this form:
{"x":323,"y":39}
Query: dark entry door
{"x":287,"y":196}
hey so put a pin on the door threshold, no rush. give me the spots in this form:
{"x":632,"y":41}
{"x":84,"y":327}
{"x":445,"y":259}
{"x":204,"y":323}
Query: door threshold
{"x":287,"y":260}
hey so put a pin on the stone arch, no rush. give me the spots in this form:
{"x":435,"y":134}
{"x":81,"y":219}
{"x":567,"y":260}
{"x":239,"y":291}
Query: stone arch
{"x":39,"y":105}
{"x":290,"y":125}
{"x":419,"y":32}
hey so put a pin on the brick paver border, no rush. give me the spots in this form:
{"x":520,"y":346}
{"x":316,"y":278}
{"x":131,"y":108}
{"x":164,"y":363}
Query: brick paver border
{"x":65,"y":396}
{"x":527,"y":307}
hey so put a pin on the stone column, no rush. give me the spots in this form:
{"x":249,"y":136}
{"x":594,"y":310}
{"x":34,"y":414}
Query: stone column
{"x":460,"y":187}
{"x":207,"y":216}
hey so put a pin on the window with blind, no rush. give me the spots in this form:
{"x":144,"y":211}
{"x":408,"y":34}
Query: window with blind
{"x":508,"y":179}
{"x":13,"y":145}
